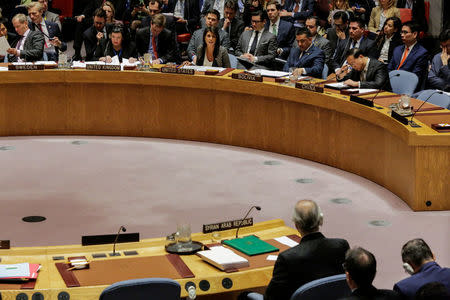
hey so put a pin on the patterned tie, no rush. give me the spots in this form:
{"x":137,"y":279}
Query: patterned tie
{"x":45,"y":38}
{"x":405,"y":54}
{"x":296,"y":7}
{"x":274,"y":28}
{"x":19,"y":43}
{"x":254,"y":44}
{"x":155,"y":53}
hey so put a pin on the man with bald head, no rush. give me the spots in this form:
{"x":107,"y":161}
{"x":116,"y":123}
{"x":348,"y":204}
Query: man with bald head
{"x":314,"y":257}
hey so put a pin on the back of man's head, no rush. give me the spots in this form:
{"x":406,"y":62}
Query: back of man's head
{"x":361,"y":265}
{"x":307,"y":216}
{"x":416,"y":251}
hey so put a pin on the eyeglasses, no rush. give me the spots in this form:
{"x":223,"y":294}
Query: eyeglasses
{"x":310,"y":26}
{"x":404,"y":32}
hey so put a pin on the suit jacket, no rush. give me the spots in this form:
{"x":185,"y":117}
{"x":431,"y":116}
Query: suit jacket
{"x":395,"y":42}
{"x":315,"y":257}
{"x":52,"y":17}
{"x":90,"y":40}
{"x":33,"y":48}
{"x":368,"y":5}
{"x":377,"y":76}
{"x":285,"y":36}
{"x":237,"y":27}
{"x":416,"y":62}
{"x":372,"y":293}
{"x":265,"y":51}
{"x":221,"y":60}
{"x":91,"y":7}
{"x":53,"y":31}
{"x":166,"y":45}
{"x":197,"y":40}
{"x":325,"y":45}
{"x":312,"y":60}
{"x":429,"y":272}
{"x":418,"y":12}
{"x":367,"y":46}
{"x":374,"y":21}
{"x":105,"y":49}
{"x":333,"y":38}
{"x":306,"y":10}
{"x":439,"y":75}
{"x":191,"y":12}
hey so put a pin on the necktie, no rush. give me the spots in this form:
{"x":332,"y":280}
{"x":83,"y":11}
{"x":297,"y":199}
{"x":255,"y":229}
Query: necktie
{"x":19,"y":43}
{"x":254,"y":44}
{"x":155,"y":53}
{"x":405,"y":54}
{"x":45,"y":38}
{"x":274,"y":28}
{"x":296,"y":7}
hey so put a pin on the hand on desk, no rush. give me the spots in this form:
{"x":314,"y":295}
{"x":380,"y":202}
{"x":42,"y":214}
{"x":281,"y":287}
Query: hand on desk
{"x":13,"y":51}
{"x":248,"y":56}
{"x":106,"y":59}
{"x":340,"y":73}
{"x":352,"y":83}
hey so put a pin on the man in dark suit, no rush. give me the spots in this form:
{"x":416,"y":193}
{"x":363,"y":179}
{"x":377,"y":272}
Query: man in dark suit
{"x":50,"y":30}
{"x":419,"y":261}
{"x":314,"y":257}
{"x":312,"y":23}
{"x":158,"y":41}
{"x":258,"y":46}
{"x":360,"y":268}
{"x":356,"y":39}
{"x":95,"y":33}
{"x":186,"y":14}
{"x":231,"y":24}
{"x":29,"y":46}
{"x":283,"y":30}
{"x":297,"y":10}
{"x":418,"y":11}
{"x":339,"y":31}
{"x":48,"y":15}
{"x":212,"y":20}
{"x":366,"y":73}
{"x":439,"y":75}
{"x":411,"y":57}
{"x":307,"y":59}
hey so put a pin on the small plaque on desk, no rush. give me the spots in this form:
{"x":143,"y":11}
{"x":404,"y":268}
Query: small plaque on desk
{"x":207,"y":228}
{"x":247,"y":77}
{"x":173,"y":70}
{"x":362,"y":101}
{"x":25,"y":67}
{"x":309,"y":87}
{"x":101,"y":67}
{"x":5,"y":244}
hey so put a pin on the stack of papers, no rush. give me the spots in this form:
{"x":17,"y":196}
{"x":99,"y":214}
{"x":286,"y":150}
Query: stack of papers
{"x":203,"y":68}
{"x":337,"y":86}
{"x":21,"y":272}
{"x":223,"y":258}
{"x":269,"y":73}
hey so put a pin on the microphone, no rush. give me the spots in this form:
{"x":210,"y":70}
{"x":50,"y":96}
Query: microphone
{"x":435,"y":92}
{"x":121,"y":228}
{"x":384,"y":85}
{"x":242,"y":220}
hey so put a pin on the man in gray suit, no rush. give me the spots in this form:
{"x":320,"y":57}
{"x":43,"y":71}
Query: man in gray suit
{"x":29,"y":46}
{"x":212,"y":20}
{"x":312,"y":23}
{"x":257,"y":48}
{"x":48,"y":15}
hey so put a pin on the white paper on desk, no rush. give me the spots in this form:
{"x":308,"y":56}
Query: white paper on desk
{"x":78,"y":65}
{"x":360,"y":91}
{"x":4,"y":45}
{"x":339,"y":85}
{"x":286,"y":241}
{"x":269,"y":73}
{"x":3,"y":69}
{"x":23,"y":63}
{"x":46,"y":63}
{"x":272,"y":257}
{"x":115,"y":60}
{"x":15,"y":270}
{"x":203,"y":68}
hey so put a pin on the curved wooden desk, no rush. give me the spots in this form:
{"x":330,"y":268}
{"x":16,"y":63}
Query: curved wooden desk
{"x":413,"y":163}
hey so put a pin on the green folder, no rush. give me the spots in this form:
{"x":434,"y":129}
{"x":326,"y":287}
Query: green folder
{"x":251,"y":245}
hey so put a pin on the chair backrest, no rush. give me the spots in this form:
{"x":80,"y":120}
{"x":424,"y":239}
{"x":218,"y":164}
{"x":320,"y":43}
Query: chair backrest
{"x":405,"y":14}
{"x":143,"y":289}
{"x":404,"y":83}
{"x":442,"y":100}
{"x":328,"y":288}
{"x":325,"y":72}
{"x":233,"y":60}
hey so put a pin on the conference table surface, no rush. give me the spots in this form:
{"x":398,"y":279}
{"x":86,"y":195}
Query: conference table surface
{"x":413,"y":163}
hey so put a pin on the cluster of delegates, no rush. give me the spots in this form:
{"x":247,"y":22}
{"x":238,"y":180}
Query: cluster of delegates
{"x":317,"y":256}
{"x":359,"y":41}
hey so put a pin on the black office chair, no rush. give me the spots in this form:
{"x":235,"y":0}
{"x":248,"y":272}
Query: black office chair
{"x":143,"y":289}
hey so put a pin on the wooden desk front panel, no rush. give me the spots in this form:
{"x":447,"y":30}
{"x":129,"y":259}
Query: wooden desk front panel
{"x":318,"y":127}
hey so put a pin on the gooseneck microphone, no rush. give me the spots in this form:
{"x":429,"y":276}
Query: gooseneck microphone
{"x":122,"y":228}
{"x":384,"y":85}
{"x":435,"y":92}
{"x":242,"y":220}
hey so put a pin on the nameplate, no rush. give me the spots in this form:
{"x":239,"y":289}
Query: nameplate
{"x":247,"y":77}
{"x":25,"y":67}
{"x":177,"y":71}
{"x":95,"y":67}
{"x":88,"y":240}
{"x":362,"y":101}
{"x":207,"y":228}
{"x":399,"y":118}
{"x":5,"y":244}
{"x":309,"y":87}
